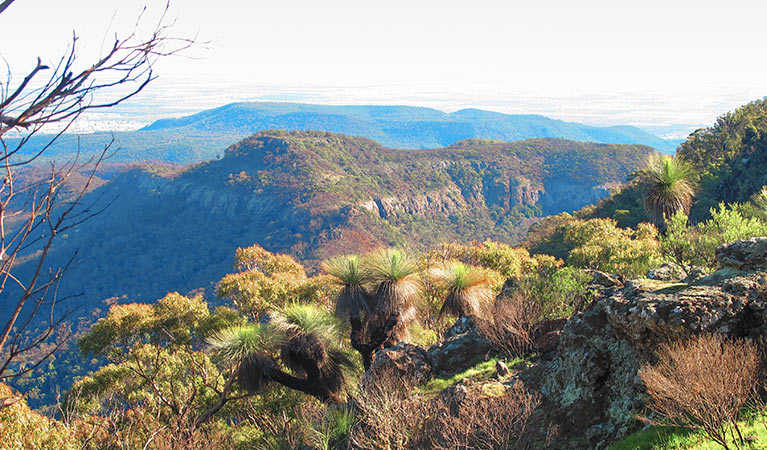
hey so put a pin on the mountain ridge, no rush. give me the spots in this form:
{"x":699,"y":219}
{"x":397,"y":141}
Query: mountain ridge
{"x":390,"y":124}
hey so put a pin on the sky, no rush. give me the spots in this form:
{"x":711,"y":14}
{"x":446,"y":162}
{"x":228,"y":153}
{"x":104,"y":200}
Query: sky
{"x":600,"y":62}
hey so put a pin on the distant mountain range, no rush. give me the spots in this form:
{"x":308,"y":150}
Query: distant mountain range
{"x":201,"y":136}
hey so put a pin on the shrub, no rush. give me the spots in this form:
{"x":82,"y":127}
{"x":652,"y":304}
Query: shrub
{"x":512,"y":326}
{"x":696,"y":245}
{"x":481,"y":422}
{"x":599,"y":244}
{"x":703,"y":384}
{"x":388,"y":414}
{"x":21,"y":427}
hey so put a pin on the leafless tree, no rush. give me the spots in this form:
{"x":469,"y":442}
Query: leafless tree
{"x":33,"y":214}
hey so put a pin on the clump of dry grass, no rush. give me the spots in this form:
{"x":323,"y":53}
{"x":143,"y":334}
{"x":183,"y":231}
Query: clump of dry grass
{"x":388,"y":413}
{"x":393,"y":414}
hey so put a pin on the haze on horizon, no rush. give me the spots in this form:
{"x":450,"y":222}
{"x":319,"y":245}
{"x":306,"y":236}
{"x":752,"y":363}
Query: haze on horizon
{"x":600,"y":62}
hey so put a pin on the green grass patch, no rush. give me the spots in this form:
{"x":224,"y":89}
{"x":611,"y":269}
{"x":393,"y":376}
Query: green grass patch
{"x":672,"y":438}
{"x":482,"y":371}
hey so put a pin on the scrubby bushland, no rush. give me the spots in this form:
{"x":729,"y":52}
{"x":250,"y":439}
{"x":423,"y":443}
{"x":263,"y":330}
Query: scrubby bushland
{"x":600,"y":244}
{"x":704,"y":384}
{"x":554,"y":286}
{"x":695,"y":245}
{"x":512,"y":324}
{"x":492,"y":422}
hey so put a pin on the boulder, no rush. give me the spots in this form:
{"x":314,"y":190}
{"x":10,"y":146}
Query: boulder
{"x":404,"y":361}
{"x":589,"y":390}
{"x":605,"y":279}
{"x":462,"y":347}
{"x":748,"y":254}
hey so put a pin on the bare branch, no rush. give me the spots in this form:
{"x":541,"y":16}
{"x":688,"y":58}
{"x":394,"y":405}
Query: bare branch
{"x":5,"y":5}
{"x":35,"y":210}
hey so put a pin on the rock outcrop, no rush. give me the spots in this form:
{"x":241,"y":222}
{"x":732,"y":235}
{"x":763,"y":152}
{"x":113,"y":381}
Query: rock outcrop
{"x":749,"y":254}
{"x":591,"y":390}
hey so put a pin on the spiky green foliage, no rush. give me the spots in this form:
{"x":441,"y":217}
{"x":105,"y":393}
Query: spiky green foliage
{"x":669,"y":186}
{"x":307,"y":340}
{"x":312,"y":346}
{"x":391,"y":265}
{"x":353,"y":299}
{"x":297,"y":319}
{"x":759,"y":199}
{"x":756,"y":206}
{"x":237,"y":342}
{"x":346,"y":268}
{"x":397,"y":288}
{"x":468,"y":289}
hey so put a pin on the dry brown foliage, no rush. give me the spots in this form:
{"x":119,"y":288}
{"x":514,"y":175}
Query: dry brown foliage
{"x":388,"y":412}
{"x":477,"y":423}
{"x":512,"y":324}
{"x":704,"y":383}
{"x":393,"y":414}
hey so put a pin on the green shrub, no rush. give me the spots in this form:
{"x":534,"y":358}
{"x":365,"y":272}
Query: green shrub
{"x":692,"y":246}
{"x":600,"y":244}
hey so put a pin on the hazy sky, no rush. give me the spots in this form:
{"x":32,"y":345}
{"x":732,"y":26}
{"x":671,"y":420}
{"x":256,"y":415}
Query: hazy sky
{"x":698,"y":55}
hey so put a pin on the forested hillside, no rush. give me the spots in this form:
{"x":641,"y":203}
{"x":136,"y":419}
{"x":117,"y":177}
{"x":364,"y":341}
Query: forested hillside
{"x":729,"y":161}
{"x":315,"y":194}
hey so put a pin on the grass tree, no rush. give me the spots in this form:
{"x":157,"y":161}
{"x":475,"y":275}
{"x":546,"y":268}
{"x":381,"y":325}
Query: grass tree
{"x":301,"y":338}
{"x":669,"y":184}
{"x":379,"y":319}
{"x":353,"y":300}
{"x":468,"y":290}
{"x":396,"y":290}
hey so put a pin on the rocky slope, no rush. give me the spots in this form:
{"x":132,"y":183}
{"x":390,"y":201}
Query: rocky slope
{"x":591,"y":388}
{"x":588,"y":381}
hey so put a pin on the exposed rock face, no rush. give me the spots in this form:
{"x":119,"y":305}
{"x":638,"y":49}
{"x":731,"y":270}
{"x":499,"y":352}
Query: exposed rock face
{"x":749,"y":254}
{"x":553,"y":198}
{"x":591,"y":389}
{"x":445,"y":200}
{"x":462,"y":346}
